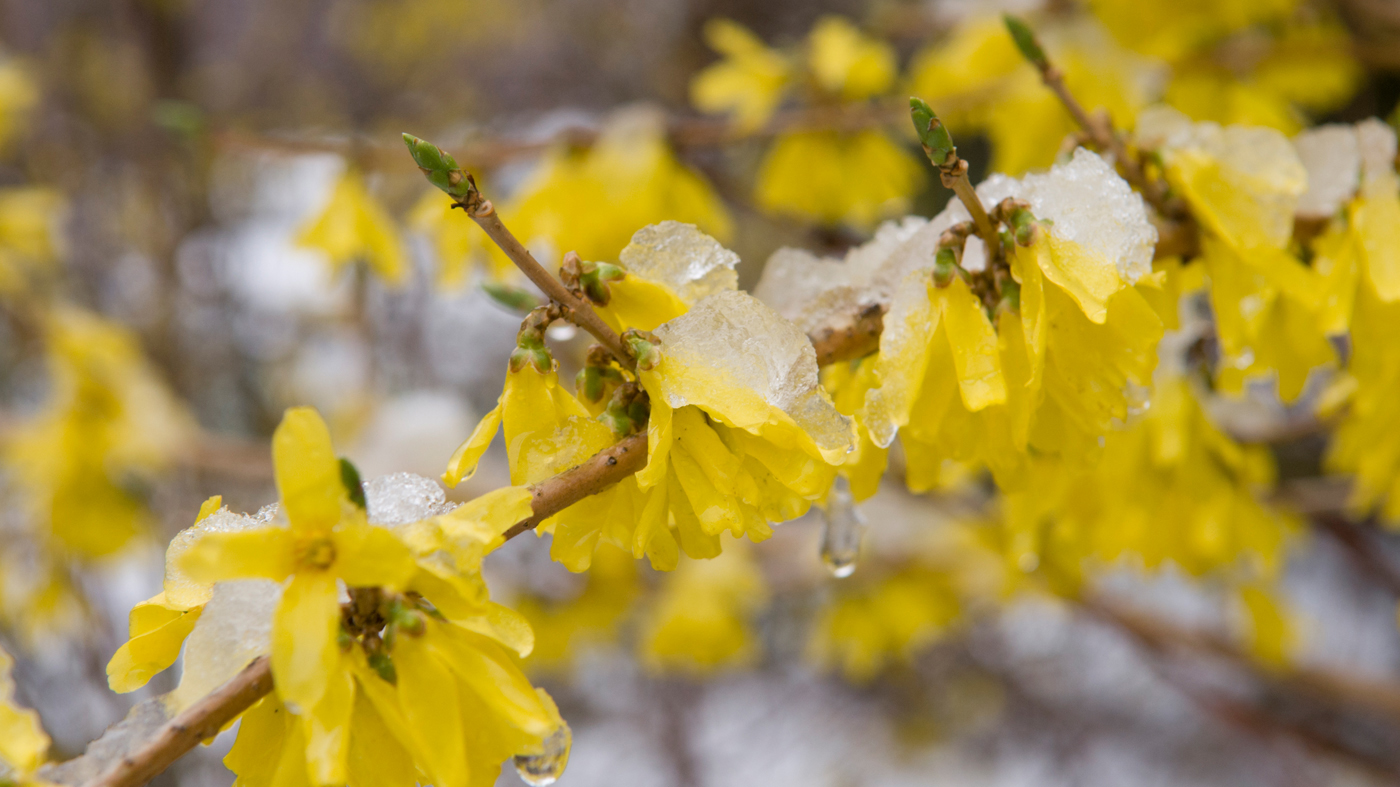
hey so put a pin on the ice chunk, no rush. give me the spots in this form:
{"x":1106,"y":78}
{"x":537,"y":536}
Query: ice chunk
{"x":120,"y":740}
{"x":755,"y":348}
{"x":682,"y":257}
{"x":824,"y":292}
{"x":401,"y":498}
{"x":1332,"y":158}
{"x":234,"y":629}
{"x":1376,"y":140}
{"x":1088,"y":203}
{"x":182,"y":591}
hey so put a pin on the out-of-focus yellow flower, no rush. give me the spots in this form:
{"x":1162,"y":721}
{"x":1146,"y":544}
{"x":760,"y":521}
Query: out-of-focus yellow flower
{"x":564,"y":628}
{"x":456,"y":241}
{"x":355,"y":227}
{"x":18,"y":94}
{"x":108,"y":422}
{"x":28,"y":219}
{"x":1171,"y":30}
{"x":700,"y":619}
{"x":835,"y":177}
{"x":866,"y":629}
{"x":591,"y":201}
{"x":1272,"y":633}
{"x":848,"y":63}
{"x":1364,"y":443}
{"x":23,"y":743}
{"x":992,"y":89}
{"x":749,"y":80}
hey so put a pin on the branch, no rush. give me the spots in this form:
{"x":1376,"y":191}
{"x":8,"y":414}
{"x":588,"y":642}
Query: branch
{"x":197,"y":723}
{"x":938,"y":146}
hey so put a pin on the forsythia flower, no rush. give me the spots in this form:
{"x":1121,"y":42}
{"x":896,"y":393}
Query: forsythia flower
{"x":848,"y":383}
{"x":1051,"y":373}
{"x":1243,"y":185}
{"x":831,"y":177}
{"x":456,"y":242}
{"x":563,"y":628}
{"x":108,"y":420}
{"x":993,"y":89}
{"x":28,"y":216}
{"x":700,"y":619}
{"x":354,"y":226}
{"x":23,"y":744}
{"x":749,"y":80}
{"x":591,"y":201}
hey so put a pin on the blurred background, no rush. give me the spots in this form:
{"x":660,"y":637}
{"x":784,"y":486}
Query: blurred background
{"x":207,"y":216}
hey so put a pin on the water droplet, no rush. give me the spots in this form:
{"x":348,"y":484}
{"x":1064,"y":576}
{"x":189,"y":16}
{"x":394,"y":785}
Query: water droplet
{"x":841,"y":534}
{"x":561,"y":331}
{"x":546,"y":767}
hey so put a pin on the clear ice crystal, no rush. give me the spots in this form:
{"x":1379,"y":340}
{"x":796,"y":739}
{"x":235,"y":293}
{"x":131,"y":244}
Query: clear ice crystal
{"x":682,"y":257}
{"x":180,"y":589}
{"x":234,"y":629}
{"x":1088,"y":203}
{"x":401,"y":498}
{"x":735,"y":333}
{"x":545,"y":768}
{"x":1332,"y":156}
{"x":842,"y":527}
{"x":820,"y":292}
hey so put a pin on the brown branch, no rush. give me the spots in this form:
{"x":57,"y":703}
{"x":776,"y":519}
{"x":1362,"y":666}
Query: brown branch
{"x":859,"y":338}
{"x":197,"y":723}
{"x":954,"y":175}
{"x":575,"y":309}
{"x":598,"y":472}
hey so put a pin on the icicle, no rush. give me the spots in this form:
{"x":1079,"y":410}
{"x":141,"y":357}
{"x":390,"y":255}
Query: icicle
{"x":545,"y":768}
{"x":841,"y":534}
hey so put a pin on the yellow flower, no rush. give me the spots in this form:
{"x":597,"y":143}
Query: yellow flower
{"x":1272,"y":633}
{"x":700,"y":619}
{"x":995,"y":91}
{"x":355,"y":227}
{"x":28,"y":219}
{"x":327,"y":539}
{"x":748,"y":81}
{"x":563,"y":628}
{"x":1170,"y":30}
{"x":457,"y":242}
{"x":848,"y":383}
{"x":18,"y":94}
{"x":848,"y":63}
{"x":108,"y":420}
{"x":868,"y":628}
{"x":23,"y":743}
{"x":1364,"y":443}
{"x":591,"y":201}
{"x":836,"y":177}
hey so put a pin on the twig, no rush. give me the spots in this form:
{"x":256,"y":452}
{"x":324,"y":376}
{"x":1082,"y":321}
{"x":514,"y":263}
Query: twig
{"x":938,"y":146}
{"x":1361,"y":546}
{"x":598,"y":472}
{"x":199,"y":722}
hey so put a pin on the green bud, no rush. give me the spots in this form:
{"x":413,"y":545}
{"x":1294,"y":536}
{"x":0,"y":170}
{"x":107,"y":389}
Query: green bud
{"x":343,"y":640}
{"x":589,"y":383}
{"x":1024,"y":226}
{"x":538,"y":357}
{"x":933,"y":135}
{"x":384,"y":667}
{"x":945,"y":268}
{"x":644,"y":347}
{"x":513,"y":298}
{"x":350,"y":477}
{"x":440,"y":168}
{"x":1026,"y":41}
{"x":595,"y":278}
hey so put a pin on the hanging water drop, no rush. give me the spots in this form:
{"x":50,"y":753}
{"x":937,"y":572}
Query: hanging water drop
{"x":546,"y":767}
{"x":843,"y":527}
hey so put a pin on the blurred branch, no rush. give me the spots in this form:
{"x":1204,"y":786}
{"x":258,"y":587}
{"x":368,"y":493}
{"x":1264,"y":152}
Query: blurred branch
{"x":201,"y":721}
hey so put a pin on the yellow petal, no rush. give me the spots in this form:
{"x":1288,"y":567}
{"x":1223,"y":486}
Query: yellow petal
{"x":264,"y":552}
{"x":308,"y":473}
{"x":1089,"y":278}
{"x":157,"y":633}
{"x":327,"y":729}
{"x":641,"y":304}
{"x":974,"y":344}
{"x":486,"y":669}
{"x":428,"y":695}
{"x":208,"y":507}
{"x":1377,"y":224}
{"x":304,"y":628}
{"x":262,"y":738}
{"x":463,"y":463}
{"x":377,"y":759}
{"x":369,"y":556}
{"x":22,"y":740}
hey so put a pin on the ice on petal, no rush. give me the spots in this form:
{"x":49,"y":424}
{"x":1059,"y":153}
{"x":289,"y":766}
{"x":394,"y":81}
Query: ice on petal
{"x":179,"y":588}
{"x":120,"y":740}
{"x":755,"y":348}
{"x":1332,"y":157}
{"x":234,"y":629}
{"x":825,"y":292}
{"x":401,"y":498}
{"x":1088,"y":203}
{"x":1376,"y":140}
{"x":681,"y":257}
